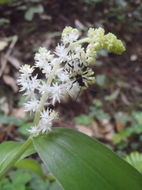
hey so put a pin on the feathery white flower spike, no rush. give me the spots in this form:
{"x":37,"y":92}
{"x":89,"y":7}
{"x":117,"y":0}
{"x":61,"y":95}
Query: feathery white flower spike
{"x":65,"y":70}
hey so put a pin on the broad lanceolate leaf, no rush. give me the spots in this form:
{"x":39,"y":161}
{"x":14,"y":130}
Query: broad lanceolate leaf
{"x":81,"y":163}
{"x":8,"y":150}
{"x":30,"y":165}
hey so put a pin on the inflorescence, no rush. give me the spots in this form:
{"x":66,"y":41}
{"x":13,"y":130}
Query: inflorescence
{"x":65,"y":70}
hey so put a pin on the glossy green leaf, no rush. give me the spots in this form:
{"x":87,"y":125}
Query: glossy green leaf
{"x":82,"y":163}
{"x":135,"y":159}
{"x":30,"y":165}
{"x":9,"y":149}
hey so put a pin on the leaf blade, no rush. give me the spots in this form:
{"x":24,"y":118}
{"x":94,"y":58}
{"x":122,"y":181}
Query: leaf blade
{"x":30,"y":165}
{"x":81,"y":163}
{"x":8,"y":150}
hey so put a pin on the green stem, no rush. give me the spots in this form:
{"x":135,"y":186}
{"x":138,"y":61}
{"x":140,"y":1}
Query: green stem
{"x":45,"y":95}
{"x":41,"y":105}
{"x":82,"y":41}
{"x":24,"y":147}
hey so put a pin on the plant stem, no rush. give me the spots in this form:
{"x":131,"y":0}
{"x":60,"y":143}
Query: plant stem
{"x":24,"y":147}
{"x":45,"y":95}
{"x":82,"y":41}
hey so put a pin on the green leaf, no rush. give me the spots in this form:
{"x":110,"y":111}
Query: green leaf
{"x":11,"y":120}
{"x":121,"y":3}
{"x":98,"y":113}
{"x":8,"y":151}
{"x":135,"y":159}
{"x":16,"y":182}
{"x":97,"y":103}
{"x":122,"y":135}
{"x":123,"y":117}
{"x":5,"y":1}
{"x":55,"y":186}
{"x":4,"y":21}
{"x":31,"y":165}
{"x":24,"y":129}
{"x":100,"y":79}
{"x":113,"y":96}
{"x":83,"y":120}
{"x":39,"y":184}
{"x":138,"y":117}
{"x":136,"y":128}
{"x":80,"y":162}
{"x":32,"y":11}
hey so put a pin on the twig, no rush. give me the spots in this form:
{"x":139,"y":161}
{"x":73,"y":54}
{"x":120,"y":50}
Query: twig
{"x":5,"y":58}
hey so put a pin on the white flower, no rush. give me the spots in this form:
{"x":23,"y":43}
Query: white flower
{"x":70,"y":35}
{"x":23,"y":82}
{"x":45,"y":124}
{"x":26,"y":70}
{"x":61,"y":52}
{"x":57,"y":93}
{"x":74,"y":64}
{"x":34,"y":130}
{"x":46,"y":121}
{"x":29,"y":85}
{"x":47,"y":69}
{"x":44,"y":88}
{"x":47,"y":116}
{"x":79,"y":51}
{"x":45,"y":128}
{"x":41,"y":128}
{"x":34,"y":82}
{"x":55,"y":61}
{"x":63,"y":76}
{"x":70,"y":38}
{"x":43,"y":58}
{"x":31,"y":105}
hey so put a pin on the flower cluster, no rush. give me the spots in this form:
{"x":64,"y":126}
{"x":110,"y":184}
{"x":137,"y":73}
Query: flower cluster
{"x":66,"y":70}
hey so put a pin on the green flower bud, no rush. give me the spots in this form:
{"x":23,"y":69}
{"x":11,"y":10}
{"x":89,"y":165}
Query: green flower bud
{"x":96,"y":36}
{"x":91,"y":53}
{"x":113,"y":44}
